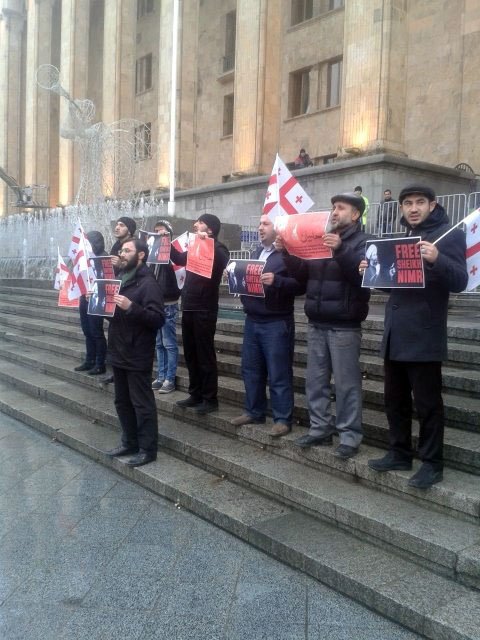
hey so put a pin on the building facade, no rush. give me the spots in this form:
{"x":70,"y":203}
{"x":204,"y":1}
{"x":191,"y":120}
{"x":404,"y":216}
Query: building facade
{"x":342,"y":78}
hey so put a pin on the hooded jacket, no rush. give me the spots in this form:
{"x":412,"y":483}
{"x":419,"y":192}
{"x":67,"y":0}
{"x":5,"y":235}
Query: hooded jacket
{"x":416,"y":319}
{"x":334,"y":296}
{"x":132,"y":333}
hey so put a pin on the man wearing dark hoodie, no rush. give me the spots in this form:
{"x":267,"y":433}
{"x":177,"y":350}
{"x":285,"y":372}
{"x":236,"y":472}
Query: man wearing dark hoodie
{"x":92,"y":326}
{"x":131,"y":346}
{"x":415,"y":339}
{"x":199,"y":320}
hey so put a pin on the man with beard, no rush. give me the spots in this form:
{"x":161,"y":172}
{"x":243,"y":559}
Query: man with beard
{"x":125,"y":228}
{"x":131,"y":347}
{"x":335,"y":306}
{"x":415,"y":339}
{"x":268,"y":339}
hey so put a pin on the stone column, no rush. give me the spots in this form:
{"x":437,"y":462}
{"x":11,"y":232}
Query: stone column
{"x":37,"y":100}
{"x":73,"y":73}
{"x":373,"y":92}
{"x":120,"y":28}
{"x":164,"y":76}
{"x":11,"y":27}
{"x":249,"y":87}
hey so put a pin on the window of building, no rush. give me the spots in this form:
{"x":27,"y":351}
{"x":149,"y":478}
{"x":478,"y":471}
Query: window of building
{"x":144,"y":7}
{"x":335,"y":4}
{"x":143,"y":74}
{"x":299,"y":92}
{"x":334,"y":83}
{"x":230,"y":39}
{"x":228,"y":104}
{"x":301,"y":10}
{"x":143,"y":141}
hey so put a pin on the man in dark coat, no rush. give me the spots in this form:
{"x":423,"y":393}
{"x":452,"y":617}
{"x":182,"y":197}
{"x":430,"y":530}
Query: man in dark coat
{"x":335,"y":304}
{"x":131,"y":347}
{"x":268,"y":339}
{"x":199,"y":320}
{"x":415,"y":339}
{"x":125,"y":228}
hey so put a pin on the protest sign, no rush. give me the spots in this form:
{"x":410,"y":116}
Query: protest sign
{"x":63,"y":297}
{"x":244,"y":277}
{"x":102,"y":268}
{"x":158,"y":246}
{"x":100,"y":302}
{"x":303,"y":233}
{"x":200,"y":256}
{"x":394,"y":263}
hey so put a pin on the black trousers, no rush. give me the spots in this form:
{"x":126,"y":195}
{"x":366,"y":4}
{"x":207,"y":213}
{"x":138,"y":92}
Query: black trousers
{"x":95,"y":342}
{"x":424,"y":380}
{"x":198,"y":335}
{"x":136,"y":409}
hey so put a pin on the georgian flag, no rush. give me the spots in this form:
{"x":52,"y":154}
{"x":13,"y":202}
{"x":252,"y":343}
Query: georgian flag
{"x":284,"y":196}
{"x":80,"y":252}
{"x":61,"y":272}
{"x":181,"y":244}
{"x":472,"y":224}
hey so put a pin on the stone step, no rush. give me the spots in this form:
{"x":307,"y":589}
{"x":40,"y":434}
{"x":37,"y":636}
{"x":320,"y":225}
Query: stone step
{"x":459,"y":495}
{"x":438,"y":541}
{"x":462,"y":449}
{"x":425,"y":602}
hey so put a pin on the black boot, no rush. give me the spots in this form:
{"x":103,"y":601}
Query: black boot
{"x":85,"y":366}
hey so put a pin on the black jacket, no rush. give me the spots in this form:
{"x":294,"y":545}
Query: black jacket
{"x":166,"y":278}
{"x":334,"y":295}
{"x":199,"y":293}
{"x":279,"y":297}
{"x":132,"y":333}
{"x":416,"y":319}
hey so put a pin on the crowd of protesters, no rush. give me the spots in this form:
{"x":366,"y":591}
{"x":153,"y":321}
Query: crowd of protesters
{"x":336,"y":304}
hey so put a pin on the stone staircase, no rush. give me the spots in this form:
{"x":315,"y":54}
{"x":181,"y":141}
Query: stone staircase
{"x":411,"y":555}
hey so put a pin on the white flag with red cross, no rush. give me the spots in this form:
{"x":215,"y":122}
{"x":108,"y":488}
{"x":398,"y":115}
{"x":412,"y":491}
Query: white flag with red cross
{"x":472,"y":224}
{"x":61,"y":272}
{"x":181,"y":244}
{"x":284,"y":196}
{"x":82,"y":274}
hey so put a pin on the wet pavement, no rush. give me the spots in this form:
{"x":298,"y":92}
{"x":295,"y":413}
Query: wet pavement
{"x":85,"y":554}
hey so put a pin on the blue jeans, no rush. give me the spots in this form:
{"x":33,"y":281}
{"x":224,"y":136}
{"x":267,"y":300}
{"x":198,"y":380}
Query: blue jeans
{"x":166,"y":344}
{"x":334,"y":351}
{"x":268,"y":352}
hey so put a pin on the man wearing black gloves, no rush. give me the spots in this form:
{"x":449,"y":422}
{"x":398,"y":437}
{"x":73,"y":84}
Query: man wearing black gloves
{"x":268,"y":339}
{"x":335,"y":305}
{"x":131,"y":347}
{"x":199,"y":320}
{"x":415,"y":339}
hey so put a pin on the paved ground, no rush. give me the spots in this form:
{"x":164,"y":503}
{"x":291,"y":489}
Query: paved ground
{"x":86,"y":554}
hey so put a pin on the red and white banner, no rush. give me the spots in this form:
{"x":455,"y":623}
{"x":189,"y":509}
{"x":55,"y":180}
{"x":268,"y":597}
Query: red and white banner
{"x":284,"y":196}
{"x":61,"y":272}
{"x":82,"y":273}
{"x":180,"y":244}
{"x":201,"y":253}
{"x":472,"y":224}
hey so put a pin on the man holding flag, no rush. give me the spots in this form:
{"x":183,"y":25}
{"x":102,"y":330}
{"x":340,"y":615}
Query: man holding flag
{"x":415,"y":339}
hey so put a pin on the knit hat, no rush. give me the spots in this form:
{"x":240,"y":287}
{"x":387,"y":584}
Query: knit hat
{"x":417,"y":188}
{"x":166,"y":224}
{"x":129,"y":223}
{"x":212,"y":222}
{"x":350,"y":198}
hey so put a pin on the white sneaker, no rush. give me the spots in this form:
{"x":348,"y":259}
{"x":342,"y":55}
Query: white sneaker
{"x":167,"y":387}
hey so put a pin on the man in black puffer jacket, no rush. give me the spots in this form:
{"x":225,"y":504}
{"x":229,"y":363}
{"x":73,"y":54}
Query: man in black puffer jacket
{"x":415,"y":339}
{"x":268,"y":339}
{"x":335,"y":306}
{"x":131,"y":346}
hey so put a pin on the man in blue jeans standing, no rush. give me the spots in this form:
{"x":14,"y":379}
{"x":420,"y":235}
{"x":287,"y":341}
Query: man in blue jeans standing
{"x":166,"y":344}
{"x":268,"y":339}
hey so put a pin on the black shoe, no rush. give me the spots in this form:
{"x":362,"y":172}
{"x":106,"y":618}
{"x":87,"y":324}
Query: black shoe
{"x":140,"y":459}
{"x":345,"y":451}
{"x":390,"y":462}
{"x":310,"y":441}
{"x":107,"y":380}
{"x":425,"y":477}
{"x":85,"y":366}
{"x":120,"y":451}
{"x":206,"y":406}
{"x":191,"y":401}
{"x":97,"y":371}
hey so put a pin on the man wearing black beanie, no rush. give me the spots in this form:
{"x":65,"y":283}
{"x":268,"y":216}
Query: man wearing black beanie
{"x":199,"y":320}
{"x":125,"y":228}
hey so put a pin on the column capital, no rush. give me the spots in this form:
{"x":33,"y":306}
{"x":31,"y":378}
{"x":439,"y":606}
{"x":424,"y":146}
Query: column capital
{"x":13,"y":19}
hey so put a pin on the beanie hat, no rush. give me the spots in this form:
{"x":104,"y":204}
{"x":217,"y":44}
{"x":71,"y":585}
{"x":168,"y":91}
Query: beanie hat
{"x":212,"y":222}
{"x":129,"y":223}
{"x":97,"y":242}
{"x":350,"y":198}
{"x":417,"y":188}
{"x":166,"y":224}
